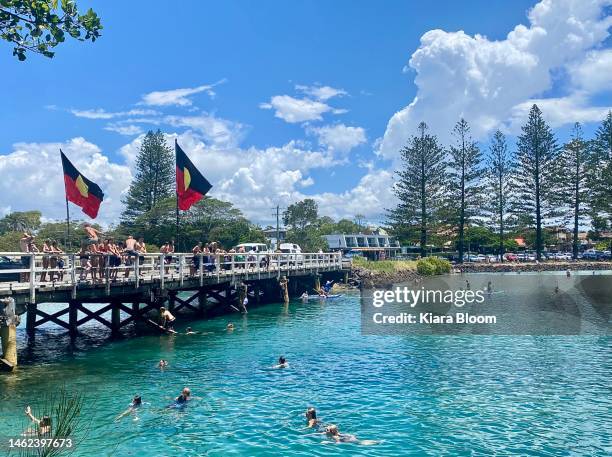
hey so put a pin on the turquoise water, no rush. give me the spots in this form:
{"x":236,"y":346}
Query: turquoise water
{"x":442,"y":395}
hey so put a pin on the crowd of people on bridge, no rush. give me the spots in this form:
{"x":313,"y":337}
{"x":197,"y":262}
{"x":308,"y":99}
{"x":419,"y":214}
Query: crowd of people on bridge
{"x":102,"y":258}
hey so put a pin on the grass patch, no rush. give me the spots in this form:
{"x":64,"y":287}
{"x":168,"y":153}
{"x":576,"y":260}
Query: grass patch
{"x":385,"y":266}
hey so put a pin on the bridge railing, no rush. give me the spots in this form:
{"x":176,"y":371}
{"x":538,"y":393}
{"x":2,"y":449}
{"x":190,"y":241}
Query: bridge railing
{"x":34,"y":271}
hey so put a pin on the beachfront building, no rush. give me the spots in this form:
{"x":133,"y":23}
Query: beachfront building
{"x":376,"y":245}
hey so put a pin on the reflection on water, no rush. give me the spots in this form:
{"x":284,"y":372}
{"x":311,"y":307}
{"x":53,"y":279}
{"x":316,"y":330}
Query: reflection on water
{"x":420,"y":395}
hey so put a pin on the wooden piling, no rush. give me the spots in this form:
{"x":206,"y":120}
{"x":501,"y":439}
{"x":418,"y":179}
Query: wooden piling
{"x":171,"y":300}
{"x":73,"y":312}
{"x":115,"y":317}
{"x":8,"y":335}
{"x":31,"y":319}
{"x":202,"y":302}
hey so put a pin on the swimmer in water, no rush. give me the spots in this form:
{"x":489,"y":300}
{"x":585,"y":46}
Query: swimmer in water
{"x":333,"y":433}
{"x":489,"y":287}
{"x":162,"y":364}
{"x":467,"y":284}
{"x":230,"y":326}
{"x":311,"y":417}
{"x":189,"y":331}
{"x":136,"y":403}
{"x":568,"y":273}
{"x":183,"y":398}
{"x":282,"y":362}
{"x":42,"y":426}
{"x":304,"y":296}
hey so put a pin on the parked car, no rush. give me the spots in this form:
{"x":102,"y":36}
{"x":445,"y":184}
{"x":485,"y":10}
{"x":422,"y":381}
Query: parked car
{"x":474,"y":258}
{"x":593,"y":254}
{"x":6,"y":263}
{"x":526,"y":256}
{"x":511,"y":257}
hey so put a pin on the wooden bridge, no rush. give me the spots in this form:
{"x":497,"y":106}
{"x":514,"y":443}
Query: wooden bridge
{"x":91,"y":287}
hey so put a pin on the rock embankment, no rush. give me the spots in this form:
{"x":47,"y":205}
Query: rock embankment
{"x":370,"y":278}
{"x":512,"y":267}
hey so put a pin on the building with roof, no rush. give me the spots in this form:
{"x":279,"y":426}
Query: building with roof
{"x":375,"y":245}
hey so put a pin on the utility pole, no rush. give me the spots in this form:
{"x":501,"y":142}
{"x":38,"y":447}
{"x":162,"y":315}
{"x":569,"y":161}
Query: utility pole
{"x":277,"y":214}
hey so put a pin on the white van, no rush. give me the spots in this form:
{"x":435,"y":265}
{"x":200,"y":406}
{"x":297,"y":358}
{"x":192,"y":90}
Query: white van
{"x":259,"y":248}
{"x":293,"y":253}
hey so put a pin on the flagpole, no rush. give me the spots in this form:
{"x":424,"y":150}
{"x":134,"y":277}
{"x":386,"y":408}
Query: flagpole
{"x":177,"y":224}
{"x":68,"y":242}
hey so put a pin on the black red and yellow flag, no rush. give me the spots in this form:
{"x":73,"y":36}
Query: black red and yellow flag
{"x":191,"y":186}
{"x":80,"y":190}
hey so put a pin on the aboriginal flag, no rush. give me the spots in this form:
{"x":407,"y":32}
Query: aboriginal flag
{"x":191,"y":186}
{"x":80,"y":190}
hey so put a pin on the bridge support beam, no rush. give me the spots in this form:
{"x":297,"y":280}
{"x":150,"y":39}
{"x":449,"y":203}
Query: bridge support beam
{"x":202,"y":302}
{"x":171,"y":300}
{"x":115,"y":317}
{"x":31,"y":319}
{"x":136,"y":311}
{"x":73,"y":313}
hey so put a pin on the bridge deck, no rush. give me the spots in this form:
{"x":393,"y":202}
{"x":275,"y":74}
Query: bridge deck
{"x":152,"y":272}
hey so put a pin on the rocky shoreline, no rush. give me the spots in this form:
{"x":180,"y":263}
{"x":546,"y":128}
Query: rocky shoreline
{"x":513,"y":267}
{"x":369,"y":278}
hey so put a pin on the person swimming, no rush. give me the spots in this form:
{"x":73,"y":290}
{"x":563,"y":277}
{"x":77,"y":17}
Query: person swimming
{"x":304,"y":296}
{"x":162,"y":364}
{"x":489,"y":287}
{"x":282,"y":362}
{"x":136,"y":403}
{"x":189,"y":331}
{"x":332,"y":432}
{"x":230,"y":326}
{"x":183,"y":398}
{"x":42,"y":425}
{"x":328,"y":286}
{"x":467,"y":284}
{"x":311,"y":417}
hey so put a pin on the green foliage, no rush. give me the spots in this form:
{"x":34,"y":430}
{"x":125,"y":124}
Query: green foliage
{"x":385,"y":266}
{"x":24,"y":221}
{"x":601,"y":174}
{"x":9,"y":241}
{"x":498,"y":189}
{"x":154,"y":180}
{"x":420,"y":186}
{"x":536,"y":177}
{"x":573,"y":176}
{"x":464,"y":182}
{"x":38,"y":26}
{"x":301,"y":214}
{"x":429,"y":266}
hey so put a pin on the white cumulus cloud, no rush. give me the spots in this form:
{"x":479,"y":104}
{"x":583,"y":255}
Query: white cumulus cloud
{"x":485,"y":81}
{"x":339,"y":137}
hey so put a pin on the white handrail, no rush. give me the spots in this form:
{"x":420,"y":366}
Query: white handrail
{"x":77,"y":270}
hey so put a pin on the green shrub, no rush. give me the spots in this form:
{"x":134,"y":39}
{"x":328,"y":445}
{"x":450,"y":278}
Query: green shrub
{"x":433,"y":266}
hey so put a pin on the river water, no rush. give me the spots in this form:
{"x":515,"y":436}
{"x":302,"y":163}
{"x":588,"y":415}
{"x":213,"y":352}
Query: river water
{"x":415,"y":395}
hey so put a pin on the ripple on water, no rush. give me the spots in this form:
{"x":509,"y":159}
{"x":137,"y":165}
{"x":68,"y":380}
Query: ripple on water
{"x":463,"y":395}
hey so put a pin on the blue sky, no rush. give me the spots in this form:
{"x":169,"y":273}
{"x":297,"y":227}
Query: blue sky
{"x":308,"y":98}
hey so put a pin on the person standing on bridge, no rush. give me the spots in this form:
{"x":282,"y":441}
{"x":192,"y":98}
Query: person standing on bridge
{"x":130,"y":251}
{"x":195,"y":261}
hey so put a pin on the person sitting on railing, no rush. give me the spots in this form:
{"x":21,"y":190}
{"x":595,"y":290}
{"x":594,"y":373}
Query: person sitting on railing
{"x":141,"y":248}
{"x":195,"y":261}
{"x":57,"y":261}
{"x":94,"y":261}
{"x":103,"y":249}
{"x":228,"y":259}
{"x":168,"y":249}
{"x":46,"y":249}
{"x":84,"y":263}
{"x":114,"y":259}
{"x":26,"y":245}
{"x":239,"y":260}
{"x":265,"y":262}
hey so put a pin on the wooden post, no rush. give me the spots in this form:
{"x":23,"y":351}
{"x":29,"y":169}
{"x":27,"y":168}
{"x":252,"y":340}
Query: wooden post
{"x":346,"y":277}
{"x":171,"y":300}
{"x":31,"y":319}
{"x":8,"y":335}
{"x":317,"y":282}
{"x":73,"y":313}
{"x":284,"y":285}
{"x":136,"y":311}
{"x":257,"y":292}
{"x":115,"y":317}
{"x":202,"y":301}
